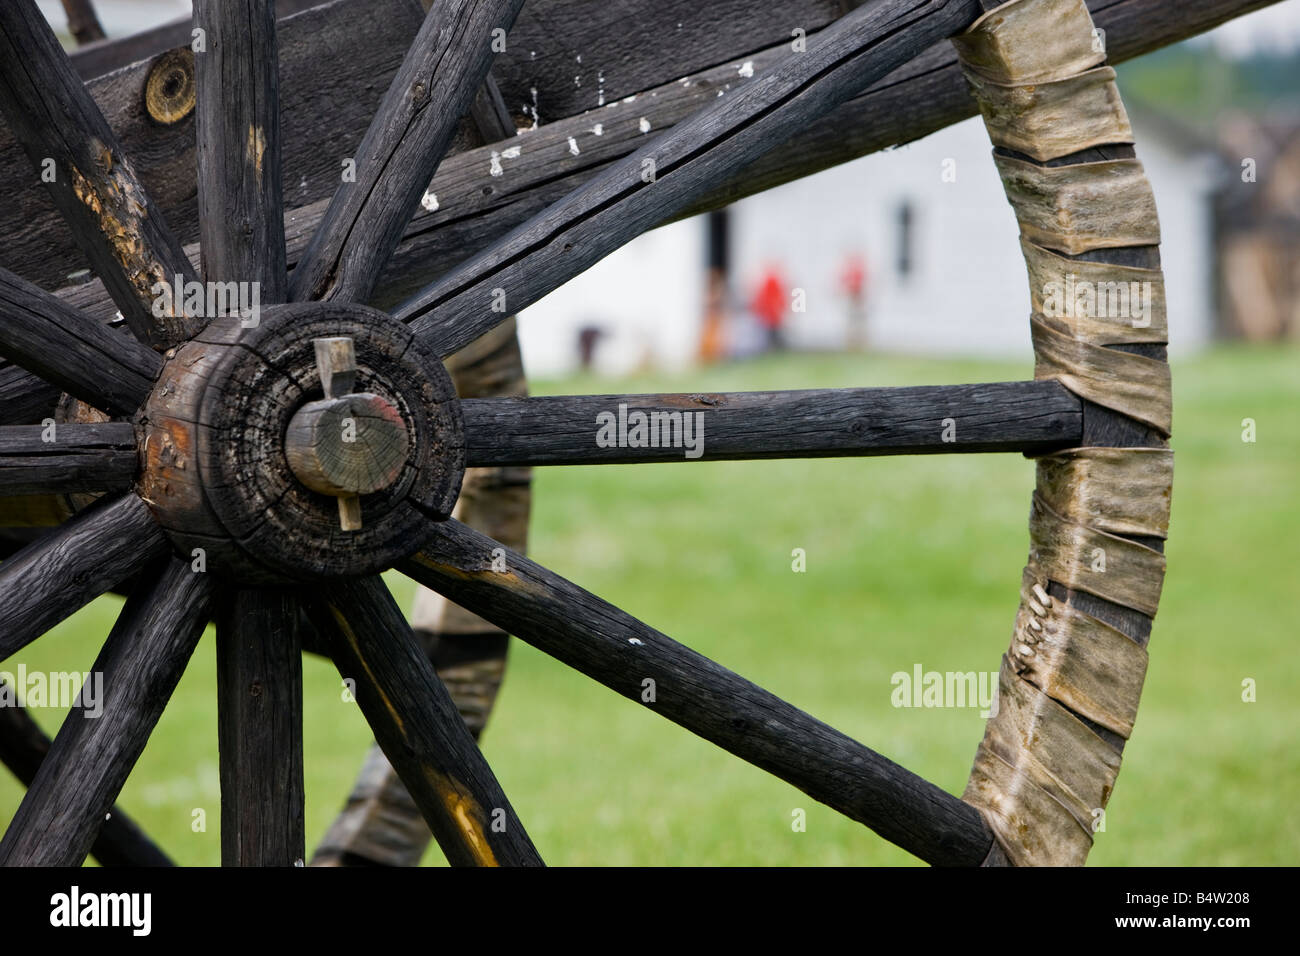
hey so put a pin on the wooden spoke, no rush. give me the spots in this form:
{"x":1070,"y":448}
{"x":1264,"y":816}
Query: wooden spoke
{"x":380,"y":825}
{"x":66,"y":569}
{"x":241,"y":208}
{"x":621,"y":652}
{"x":70,"y":349}
{"x":41,"y":460}
{"x":433,"y":89}
{"x":80,"y":778}
{"x":24,"y":398}
{"x":259,"y":660}
{"x":259,"y":697}
{"x":1029,"y":417}
{"x":82,"y":22}
{"x":427,"y":741}
{"x":676,"y":168}
{"x":121,"y":842}
{"x":74,"y":152}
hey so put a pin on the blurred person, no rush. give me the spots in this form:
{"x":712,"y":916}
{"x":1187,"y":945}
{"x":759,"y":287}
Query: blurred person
{"x":589,"y":337}
{"x":713,"y":336}
{"x":771,"y":303}
{"x":853,"y":283}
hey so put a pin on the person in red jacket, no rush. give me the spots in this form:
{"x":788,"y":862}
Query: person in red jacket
{"x":771,"y":302}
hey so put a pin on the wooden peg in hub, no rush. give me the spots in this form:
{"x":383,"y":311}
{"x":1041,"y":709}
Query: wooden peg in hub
{"x":347,"y":444}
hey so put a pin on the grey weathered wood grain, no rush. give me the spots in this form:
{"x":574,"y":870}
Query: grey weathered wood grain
{"x":121,"y":842}
{"x":1029,"y":417}
{"x":259,"y":729}
{"x":489,"y":113}
{"x":70,"y":349}
{"x":677,"y":168}
{"x":433,"y":88}
{"x":96,"y":59}
{"x":328,"y":457}
{"x":80,"y":458}
{"x":63,"y":571}
{"x":24,"y":398}
{"x":241,"y":201}
{"x":619,"y":651}
{"x":76,"y":156}
{"x":417,"y":725}
{"x":335,"y":62}
{"x":83,"y":773}
{"x":580,"y":56}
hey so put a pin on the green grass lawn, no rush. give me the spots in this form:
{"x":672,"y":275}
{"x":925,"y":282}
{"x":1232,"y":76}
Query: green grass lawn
{"x":909,"y":561}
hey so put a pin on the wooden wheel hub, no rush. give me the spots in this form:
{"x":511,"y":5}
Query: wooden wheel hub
{"x":246,"y":456}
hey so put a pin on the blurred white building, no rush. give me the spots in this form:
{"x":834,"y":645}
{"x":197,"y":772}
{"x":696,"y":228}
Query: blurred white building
{"x":944,"y":271}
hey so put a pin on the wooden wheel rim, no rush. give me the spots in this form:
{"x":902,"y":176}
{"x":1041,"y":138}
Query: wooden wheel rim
{"x":1070,"y":682}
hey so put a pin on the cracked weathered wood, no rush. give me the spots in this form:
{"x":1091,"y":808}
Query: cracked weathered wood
{"x":1029,"y":417}
{"x":617,"y":650}
{"x":82,"y":775}
{"x":24,"y":398}
{"x":121,"y":842}
{"x":213,"y":465}
{"x":323,"y":114}
{"x":59,"y":459}
{"x":76,"y":155}
{"x":65,"y":570}
{"x":70,"y":349}
{"x":240,"y":198}
{"x":416,"y":724}
{"x":97,"y":59}
{"x":677,"y":168}
{"x":259,"y":729}
{"x":347,"y":446}
{"x":406,"y":140}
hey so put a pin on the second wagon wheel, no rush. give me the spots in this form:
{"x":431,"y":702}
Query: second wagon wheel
{"x":308,"y":450}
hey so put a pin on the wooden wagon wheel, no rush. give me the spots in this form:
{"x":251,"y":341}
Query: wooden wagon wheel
{"x":250,"y":442}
